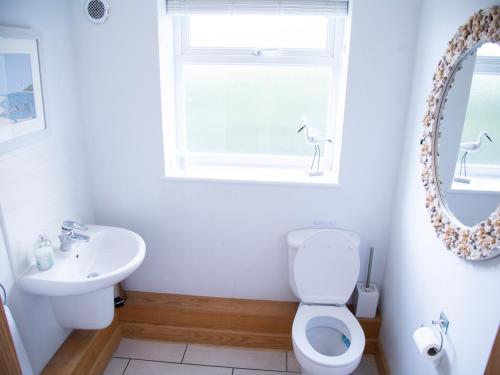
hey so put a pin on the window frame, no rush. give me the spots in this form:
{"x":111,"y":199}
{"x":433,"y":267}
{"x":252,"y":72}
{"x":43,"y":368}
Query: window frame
{"x":177,"y":156}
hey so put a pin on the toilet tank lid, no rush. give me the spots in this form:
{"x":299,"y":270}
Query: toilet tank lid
{"x":297,"y":238}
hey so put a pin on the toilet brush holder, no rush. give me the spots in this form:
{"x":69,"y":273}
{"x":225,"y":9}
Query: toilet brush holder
{"x":366,"y":300}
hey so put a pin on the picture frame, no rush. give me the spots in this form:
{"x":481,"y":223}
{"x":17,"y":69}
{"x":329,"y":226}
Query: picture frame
{"x":22,"y":112}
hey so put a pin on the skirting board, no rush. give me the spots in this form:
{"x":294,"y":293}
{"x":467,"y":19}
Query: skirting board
{"x":380,"y":360}
{"x":85,"y":352}
{"x":218,"y":321}
{"x":8,"y":357}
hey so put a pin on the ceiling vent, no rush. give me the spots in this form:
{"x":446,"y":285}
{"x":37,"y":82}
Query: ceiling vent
{"x":97,"y":11}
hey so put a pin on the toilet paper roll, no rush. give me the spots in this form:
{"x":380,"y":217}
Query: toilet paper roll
{"x":428,"y":342}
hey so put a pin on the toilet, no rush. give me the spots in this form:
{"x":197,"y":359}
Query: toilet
{"x":323,"y":270}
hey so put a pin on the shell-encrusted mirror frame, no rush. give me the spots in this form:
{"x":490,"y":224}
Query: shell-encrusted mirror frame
{"x":481,"y":241}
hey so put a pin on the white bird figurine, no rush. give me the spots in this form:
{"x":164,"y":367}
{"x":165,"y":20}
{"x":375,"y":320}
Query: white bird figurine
{"x":315,"y":138}
{"x":471,"y":147}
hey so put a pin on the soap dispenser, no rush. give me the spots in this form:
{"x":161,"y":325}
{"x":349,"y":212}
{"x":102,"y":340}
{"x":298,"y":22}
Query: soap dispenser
{"x":44,"y":254}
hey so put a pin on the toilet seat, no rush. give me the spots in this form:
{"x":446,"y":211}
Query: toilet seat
{"x":338,"y":317}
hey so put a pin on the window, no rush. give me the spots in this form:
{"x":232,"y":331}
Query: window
{"x":239,"y":86}
{"x":482,"y":114}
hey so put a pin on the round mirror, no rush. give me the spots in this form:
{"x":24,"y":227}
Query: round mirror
{"x":460,"y":146}
{"x":469,"y":146}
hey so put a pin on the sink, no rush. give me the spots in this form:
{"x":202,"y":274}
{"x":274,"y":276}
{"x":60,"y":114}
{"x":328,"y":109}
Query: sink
{"x":80,"y":284}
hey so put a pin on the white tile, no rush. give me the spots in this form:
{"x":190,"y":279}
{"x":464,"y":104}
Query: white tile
{"x":367,"y":366}
{"x":236,"y":357}
{"x":137,"y":367}
{"x":152,"y":350}
{"x":116,"y":366}
{"x":239,"y":371}
{"x":291,"y":363}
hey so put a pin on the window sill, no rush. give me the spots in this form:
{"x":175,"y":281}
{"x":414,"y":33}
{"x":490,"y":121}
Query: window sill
{"x":272,"y":176}
{"x":477,"y":185}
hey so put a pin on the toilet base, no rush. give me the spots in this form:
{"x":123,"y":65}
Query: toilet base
{"x":315,"y":369}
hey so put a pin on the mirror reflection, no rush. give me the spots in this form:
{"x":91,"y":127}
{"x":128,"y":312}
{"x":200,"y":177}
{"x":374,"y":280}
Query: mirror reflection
{"x":469,"y":146}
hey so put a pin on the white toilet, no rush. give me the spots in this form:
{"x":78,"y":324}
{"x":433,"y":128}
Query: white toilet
{"x":323,"y":270}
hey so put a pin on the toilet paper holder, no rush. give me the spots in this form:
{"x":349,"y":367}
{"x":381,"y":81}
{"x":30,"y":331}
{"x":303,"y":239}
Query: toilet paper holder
{"x":4,"y":299}
{"x":442,"y":324}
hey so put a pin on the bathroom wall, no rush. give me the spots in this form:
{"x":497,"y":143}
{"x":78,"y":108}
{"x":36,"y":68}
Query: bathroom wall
{"x":422,"y":278}
{"x":46,"y":182}
{"x":228,"y":239}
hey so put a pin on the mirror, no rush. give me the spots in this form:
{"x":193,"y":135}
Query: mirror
{"x":469,"y":146}
{"x":460,"y":145}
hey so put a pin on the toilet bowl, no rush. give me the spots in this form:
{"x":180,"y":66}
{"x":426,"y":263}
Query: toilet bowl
{"x":327,"y":339}
{"x":323,"y":270}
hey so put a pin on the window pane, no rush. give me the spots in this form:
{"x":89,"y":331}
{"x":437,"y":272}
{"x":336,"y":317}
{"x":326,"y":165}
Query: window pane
{"x":263,"y":31}
{"x":253,"y":109}
{"x":483,"y":113}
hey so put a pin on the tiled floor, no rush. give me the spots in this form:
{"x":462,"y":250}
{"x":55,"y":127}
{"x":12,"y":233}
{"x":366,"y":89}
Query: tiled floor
{"x":145,"y":357}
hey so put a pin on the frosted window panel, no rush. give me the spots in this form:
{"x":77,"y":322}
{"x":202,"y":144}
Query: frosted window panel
{"x":483,"y":113}
{"x":246,"y":31}
{"x":489,"y":50}
{"x":253,"y":109}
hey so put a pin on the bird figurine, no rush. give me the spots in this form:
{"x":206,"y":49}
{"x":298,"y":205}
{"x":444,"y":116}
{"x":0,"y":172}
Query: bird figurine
{"x":315,"y":138}
{"x":471,"y":147}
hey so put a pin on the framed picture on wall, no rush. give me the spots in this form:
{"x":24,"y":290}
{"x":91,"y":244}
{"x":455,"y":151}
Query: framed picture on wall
{"x":22,"y":116}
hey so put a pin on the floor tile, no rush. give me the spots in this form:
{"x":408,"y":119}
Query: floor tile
{"x":138,"y":367}
{"x":116,"y":366}
{"x":236,"y":357}
{"x":152,"y":350}
{"x":367,"y":366}
{"x":239,"y":371}
{"x":291,"y":363}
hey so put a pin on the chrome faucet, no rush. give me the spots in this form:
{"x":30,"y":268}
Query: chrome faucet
{"x":69,"y":238}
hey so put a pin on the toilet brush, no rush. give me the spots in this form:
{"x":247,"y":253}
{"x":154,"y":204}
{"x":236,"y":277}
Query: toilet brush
{"x":366,"y":294}
{"x":367,"y":284}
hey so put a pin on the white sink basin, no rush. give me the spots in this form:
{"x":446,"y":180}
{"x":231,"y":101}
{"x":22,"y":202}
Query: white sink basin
{"x":81,"y":281}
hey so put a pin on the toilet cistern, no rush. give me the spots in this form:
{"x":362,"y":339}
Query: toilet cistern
{"x":69,"y":238}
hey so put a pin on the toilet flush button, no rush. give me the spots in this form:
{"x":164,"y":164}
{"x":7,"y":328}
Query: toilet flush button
{"x":324,"y":223}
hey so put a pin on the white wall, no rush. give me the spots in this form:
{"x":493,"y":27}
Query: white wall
{"x":44,"y":183}
{"x":226,"y":239}
{"x":422,"y":278}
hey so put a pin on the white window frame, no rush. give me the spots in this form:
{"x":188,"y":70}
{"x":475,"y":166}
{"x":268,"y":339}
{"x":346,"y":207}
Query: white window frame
{"x":179,"y":159}
{"x":485,"y":65}
{"x":485,"y":177}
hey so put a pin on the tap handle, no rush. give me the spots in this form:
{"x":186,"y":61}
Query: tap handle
{"x":72,"y":225}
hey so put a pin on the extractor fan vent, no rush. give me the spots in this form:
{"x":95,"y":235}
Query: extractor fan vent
{"x":97,"y":11}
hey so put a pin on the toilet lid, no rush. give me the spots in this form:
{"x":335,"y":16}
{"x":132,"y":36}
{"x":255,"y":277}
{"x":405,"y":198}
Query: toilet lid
{"x":326,"y":267}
